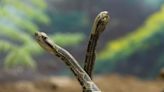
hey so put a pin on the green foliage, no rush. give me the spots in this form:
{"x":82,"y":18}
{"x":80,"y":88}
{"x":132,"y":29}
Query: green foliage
{"x":68,"y":38}
{"x":143,"y":40}
{"x":18,"y":22}
{"x":20,"y":14}
{"x":148,"y":35}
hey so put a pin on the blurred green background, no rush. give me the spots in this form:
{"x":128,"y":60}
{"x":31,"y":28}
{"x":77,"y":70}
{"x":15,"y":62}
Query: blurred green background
{"x":132,"y":44}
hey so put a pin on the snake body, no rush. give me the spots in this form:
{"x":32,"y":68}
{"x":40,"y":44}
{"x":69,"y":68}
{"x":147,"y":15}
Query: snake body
{"x":83,"y":75}
{"x":83,"y":78}
{"x":99,"y":26}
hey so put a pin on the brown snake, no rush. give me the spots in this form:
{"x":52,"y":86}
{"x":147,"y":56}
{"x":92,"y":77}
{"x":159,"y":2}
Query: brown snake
{"x":84,"y":79}
{"x":99,"y":26}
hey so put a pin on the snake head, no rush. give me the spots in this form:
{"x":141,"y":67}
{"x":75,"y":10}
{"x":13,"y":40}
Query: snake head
{"x":44,"y":41}
{"x":103,"y":17}
{"x":40,"y":36}
{"x":100,"y":22}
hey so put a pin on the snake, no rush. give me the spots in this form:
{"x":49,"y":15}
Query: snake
{"x":85,"y":81}
{"x":81,"y":74}
{"x":98,"y":27}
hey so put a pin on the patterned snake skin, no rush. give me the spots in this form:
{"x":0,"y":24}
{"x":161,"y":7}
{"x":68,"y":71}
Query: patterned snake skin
{"x":83,"y":78}
{"x":99,"y":26}
{"x":83,"y":75}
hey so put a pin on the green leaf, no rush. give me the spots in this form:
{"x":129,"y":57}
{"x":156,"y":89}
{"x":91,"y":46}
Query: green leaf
{"x":140,"y":39}
{"x":6,"y":46}
{"x":19,"y":58}
{"x":68,"y":39}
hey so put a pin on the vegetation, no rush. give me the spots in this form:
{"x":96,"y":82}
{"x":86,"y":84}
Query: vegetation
{"x":19,"y":20}
{"x":143,"y":40}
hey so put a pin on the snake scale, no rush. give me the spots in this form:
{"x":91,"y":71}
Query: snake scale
{"x":99,"y":26}
{"x":82,"y":76}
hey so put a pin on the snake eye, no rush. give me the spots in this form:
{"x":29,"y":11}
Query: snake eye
{"x":44,"y":37}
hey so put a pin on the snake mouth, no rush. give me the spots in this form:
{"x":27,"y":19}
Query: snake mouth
{"x":44,"y":41}
{"x":40,"y":35}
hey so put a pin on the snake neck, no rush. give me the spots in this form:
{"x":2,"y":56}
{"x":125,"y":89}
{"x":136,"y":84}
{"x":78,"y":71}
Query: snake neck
{"x":91,"y":54}
{"x":80,"y":74}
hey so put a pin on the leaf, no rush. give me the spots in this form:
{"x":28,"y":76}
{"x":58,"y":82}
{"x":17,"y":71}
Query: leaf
{"x":6,"y":46}
{"x":140,"y":39}
{"x":67,"y":39}
{"x":10,"y":58}
{"x":19,"y":58}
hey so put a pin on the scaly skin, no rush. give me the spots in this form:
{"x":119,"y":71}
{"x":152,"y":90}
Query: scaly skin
{"x":99,"y":26}
{"x":45,"y":42}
